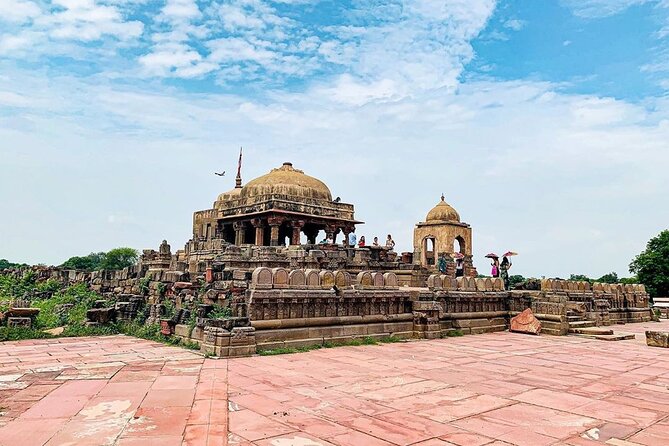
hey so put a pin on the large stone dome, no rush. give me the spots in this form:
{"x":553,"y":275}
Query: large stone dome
{"x":442,"y":212}
{"x":230,"y":195}
{"x":287,"y":180}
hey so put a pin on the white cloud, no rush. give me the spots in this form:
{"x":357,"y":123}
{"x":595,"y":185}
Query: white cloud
{"x":558,"y":164}
{"x":18,"y":10}
{"x":600,"y":8}
{"x":515,"y":24}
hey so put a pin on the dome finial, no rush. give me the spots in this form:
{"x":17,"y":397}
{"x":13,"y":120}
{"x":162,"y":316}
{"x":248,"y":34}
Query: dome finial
{"x":238,"y":180}
{"x":442,"y":197}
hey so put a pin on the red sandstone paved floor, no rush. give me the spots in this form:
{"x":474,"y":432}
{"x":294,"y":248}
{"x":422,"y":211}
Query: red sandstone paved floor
{"x":495,"y":389}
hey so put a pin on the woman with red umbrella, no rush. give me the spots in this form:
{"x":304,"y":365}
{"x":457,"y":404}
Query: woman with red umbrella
{"x":494,"y":264}
{"x":505,"y":267}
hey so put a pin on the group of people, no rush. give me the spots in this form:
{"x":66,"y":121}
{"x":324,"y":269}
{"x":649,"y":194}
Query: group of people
{"x":501,"y":269}
{"x":353,"y":241}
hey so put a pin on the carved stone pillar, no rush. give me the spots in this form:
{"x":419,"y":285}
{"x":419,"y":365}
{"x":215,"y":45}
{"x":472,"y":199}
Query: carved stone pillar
{"x":334,"y":235}
{"x":297,"y":227}
{"x":274,"y":224}
{"x":239,"y":227}
{"x":311,"y":234}
{"x":260,"y":231}
{"x":347,"y":231}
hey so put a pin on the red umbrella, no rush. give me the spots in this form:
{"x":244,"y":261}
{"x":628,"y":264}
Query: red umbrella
{"x":510,"y":253}
{"x":458,"y":255}
{"x":492,"y":255}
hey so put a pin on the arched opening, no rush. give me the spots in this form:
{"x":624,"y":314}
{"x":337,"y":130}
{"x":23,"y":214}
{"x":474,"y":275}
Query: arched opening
{"x":429,"y":251}
{"x":459,"y":245}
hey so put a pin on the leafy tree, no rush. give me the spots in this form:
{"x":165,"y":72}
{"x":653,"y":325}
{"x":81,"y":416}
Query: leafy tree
{"x":579,"y":278}
{"x":91,"y":262}
{"x":6,"y":264}
{"x":515,"y":280}
{"x":611,"y":277}
{"x":652,"y":265}
{"x":119,"y":258}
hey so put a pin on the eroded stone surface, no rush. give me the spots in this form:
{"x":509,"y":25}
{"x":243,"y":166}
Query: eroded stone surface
{"x":525,"y":322}
{"x":657,"y":339}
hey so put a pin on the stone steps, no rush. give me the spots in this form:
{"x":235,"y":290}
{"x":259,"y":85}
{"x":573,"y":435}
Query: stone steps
{"x":591,"y":331}
{"x":581,"y":324}
{"x":613,"y":337}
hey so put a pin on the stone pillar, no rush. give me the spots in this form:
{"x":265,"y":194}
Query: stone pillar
{"x":347,"y":232}
{"x":239,"y":227}
{"x":334,"y":236}
{"x":297,"y":228}
{"x":260,"y":231}
{"x":274,"y":224}
{"x":311,"y":234}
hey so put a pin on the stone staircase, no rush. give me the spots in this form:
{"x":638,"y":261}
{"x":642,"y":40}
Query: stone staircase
{"x":580,"y":326}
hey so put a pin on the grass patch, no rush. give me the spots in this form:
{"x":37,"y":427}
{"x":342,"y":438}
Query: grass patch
{"x":20,"y":333}
{"x":454,"y":334}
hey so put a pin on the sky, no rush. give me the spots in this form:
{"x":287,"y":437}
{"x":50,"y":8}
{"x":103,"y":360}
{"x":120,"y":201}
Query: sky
{"x":544,"y":123}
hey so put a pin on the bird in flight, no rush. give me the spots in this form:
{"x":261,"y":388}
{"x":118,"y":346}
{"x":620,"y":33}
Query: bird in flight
{"x":220,"y":174}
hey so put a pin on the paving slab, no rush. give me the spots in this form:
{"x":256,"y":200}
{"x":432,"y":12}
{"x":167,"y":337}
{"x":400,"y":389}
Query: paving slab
{"x":490,"y":389}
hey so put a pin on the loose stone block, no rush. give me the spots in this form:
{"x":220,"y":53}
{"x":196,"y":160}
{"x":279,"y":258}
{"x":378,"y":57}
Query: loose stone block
{"x":657,"y":339}
{"x":19,"y":322}
{"x":526,"y":322}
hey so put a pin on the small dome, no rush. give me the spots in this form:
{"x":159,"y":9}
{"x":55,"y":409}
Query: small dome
{"x":287,"y":181}
{"x":443,"y":212}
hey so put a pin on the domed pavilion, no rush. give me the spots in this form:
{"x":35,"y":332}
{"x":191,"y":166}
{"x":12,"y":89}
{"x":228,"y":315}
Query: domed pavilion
{"x":274,"y":209}
{"x":442,"y":233}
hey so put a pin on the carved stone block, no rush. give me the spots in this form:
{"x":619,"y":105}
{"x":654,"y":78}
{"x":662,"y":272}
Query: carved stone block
{"x":525,"y":322}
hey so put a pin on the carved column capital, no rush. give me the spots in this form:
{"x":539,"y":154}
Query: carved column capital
{"x":275,"y":221}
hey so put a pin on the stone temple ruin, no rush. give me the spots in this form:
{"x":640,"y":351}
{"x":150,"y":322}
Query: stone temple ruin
{"x":248,"y":255}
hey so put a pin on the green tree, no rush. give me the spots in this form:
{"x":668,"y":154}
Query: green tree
{"x":119,"y":258}
{"x":611,"y":277}
{"x":6,"y":264}
{"x":91,"y":262}
{"x":516,"y":280}
{"x":652,"y":265}
{"x":579,"y":278}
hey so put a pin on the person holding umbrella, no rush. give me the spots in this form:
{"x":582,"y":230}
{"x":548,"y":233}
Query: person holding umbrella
{"x":494,"y":264}
{"x":505,"y":267}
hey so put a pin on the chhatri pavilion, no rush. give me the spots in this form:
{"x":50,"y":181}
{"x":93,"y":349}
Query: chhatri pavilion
{"x":275,"y":209}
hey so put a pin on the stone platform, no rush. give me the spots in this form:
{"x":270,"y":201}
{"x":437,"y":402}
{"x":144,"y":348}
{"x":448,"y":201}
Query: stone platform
{"x":490,"y":389}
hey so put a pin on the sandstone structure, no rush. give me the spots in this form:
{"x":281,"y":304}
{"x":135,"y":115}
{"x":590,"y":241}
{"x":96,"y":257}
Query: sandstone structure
{"x":657,"y":339}
{"x":525,"y":322}
{"x":249,"y":257}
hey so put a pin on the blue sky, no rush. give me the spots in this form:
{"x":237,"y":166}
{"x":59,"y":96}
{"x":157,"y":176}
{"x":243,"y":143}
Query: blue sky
{"x":545,"y":123}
